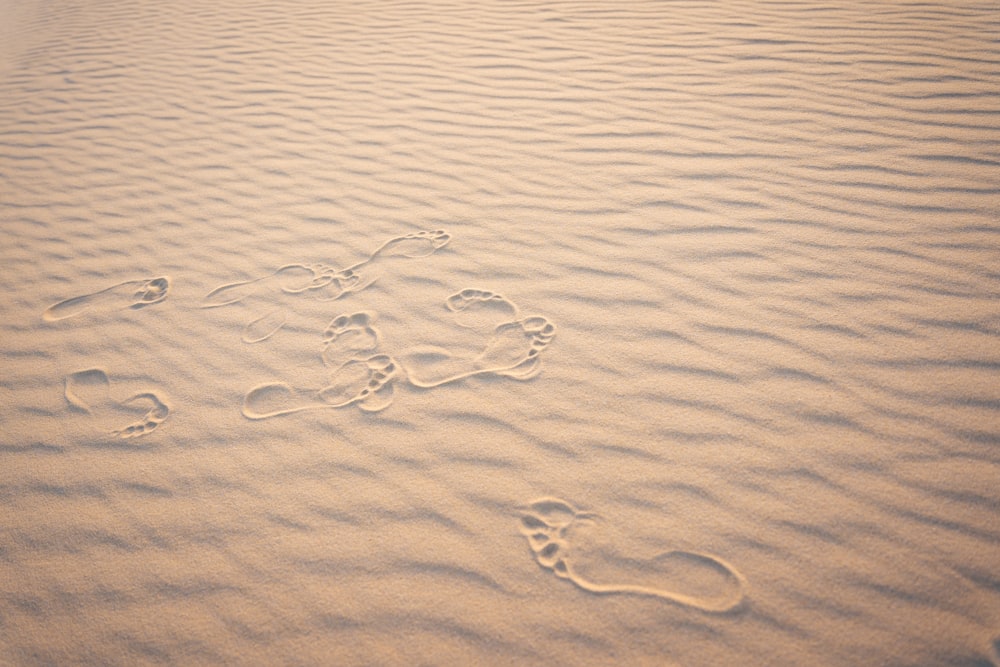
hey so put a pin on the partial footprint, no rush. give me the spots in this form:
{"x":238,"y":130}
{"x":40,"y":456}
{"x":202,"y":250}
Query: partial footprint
{"x":480,"y":309}
{"x":264,"y":326}
{"x":291,"y":278}
{"x":367,"y":383}
{"x":349,"y":337}
{"x":364,"y":274}
{"x":513,"y":351}
{"x":550,"y":525}
{"x":417,"y":244}
{"x":128,"y":294}
{"x":90,"y":391}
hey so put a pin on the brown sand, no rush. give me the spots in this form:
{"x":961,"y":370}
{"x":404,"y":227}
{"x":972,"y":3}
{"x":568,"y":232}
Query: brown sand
{"x":628,"y":332}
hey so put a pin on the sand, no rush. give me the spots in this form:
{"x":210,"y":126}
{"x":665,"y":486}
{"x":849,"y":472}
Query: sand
{"x":451,"y":333}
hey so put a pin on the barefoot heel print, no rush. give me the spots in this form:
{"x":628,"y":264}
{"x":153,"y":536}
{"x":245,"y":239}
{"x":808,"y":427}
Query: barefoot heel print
{"x":128,"y":294}
{"x":547,"y":524}
{"x":89,"y":391}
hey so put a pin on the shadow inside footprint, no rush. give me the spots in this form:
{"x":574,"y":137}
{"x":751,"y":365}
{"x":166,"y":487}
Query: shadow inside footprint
{"x":128,"y":294}
{"x":89,"y":391}
{"x":551,"y":526}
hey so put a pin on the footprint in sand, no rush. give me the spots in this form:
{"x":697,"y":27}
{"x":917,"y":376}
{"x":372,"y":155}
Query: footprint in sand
{"x":128,"y":294}
{"x":90,"y":391}
{"x":321,"y":281}
{"x":348,"y":338}
{"x":480,"y":309}
{"x":553,"y":528}
{"x":366,"y":383}
{"x":514,"y":350}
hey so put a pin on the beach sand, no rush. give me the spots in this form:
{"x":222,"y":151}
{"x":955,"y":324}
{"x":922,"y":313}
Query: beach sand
{"x":452,"y":333}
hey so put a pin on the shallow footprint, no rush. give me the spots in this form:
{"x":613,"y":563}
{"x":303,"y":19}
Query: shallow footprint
{"x":349,"y":337}
{"x":264,"y":326}
{"x":417,"y":244}
{"x":128,"y":294}
{"x":480,"y":309}
{"x":513,"y":351}
{"x":90,"y":391}
{"x":364,"y":274}
{"x":552,"y":528}
{"x":291,"y":278}
{"x":366,"y":383}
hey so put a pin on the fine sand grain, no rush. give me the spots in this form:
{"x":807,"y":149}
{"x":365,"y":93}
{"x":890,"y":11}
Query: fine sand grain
{"x":474,"y":333}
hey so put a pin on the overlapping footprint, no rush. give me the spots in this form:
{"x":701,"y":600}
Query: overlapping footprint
{"x":358,"y":376}
{"x":549,"y":523}
{"x":128,"y":294}
{"x":89,"y":391}
{"x":321,"y":281}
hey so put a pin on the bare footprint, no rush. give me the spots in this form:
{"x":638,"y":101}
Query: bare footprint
{"x":291,"y":279}
{"x":480,"y":309}
{"x":366,"y":383}
{"x":513,"y":351}
{"x":366,"y":273}
{"x":549,"y":524}
{"x":90,"y":391}
{"x":128,"y":294}
{"x":349,"y":337}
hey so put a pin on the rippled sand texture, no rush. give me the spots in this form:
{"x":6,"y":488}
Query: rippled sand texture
{"x":716,"y":327}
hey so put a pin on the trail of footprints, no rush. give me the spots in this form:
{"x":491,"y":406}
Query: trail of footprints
{"x":359,"y":375}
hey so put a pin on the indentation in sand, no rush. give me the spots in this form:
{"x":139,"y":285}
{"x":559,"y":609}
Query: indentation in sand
{"x":551,"y":527}
{"x":128,"y":294}
{"x":366,"y":383}
{"x":514,"y":350}
{"x":321,"y":281}
{"x":89,"y":391}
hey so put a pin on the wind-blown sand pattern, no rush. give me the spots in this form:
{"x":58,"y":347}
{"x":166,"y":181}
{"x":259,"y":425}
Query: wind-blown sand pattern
{"x":765,"y":236}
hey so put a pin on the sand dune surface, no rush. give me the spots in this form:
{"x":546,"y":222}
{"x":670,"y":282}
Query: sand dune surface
{"x":454,"y":333}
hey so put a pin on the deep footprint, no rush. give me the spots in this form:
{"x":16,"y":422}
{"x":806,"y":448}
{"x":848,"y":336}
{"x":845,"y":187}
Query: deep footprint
{"x":548,"y":524}
{"x":128,"y":294}
{"x":90,"y":391}
{"x":349,"y":337}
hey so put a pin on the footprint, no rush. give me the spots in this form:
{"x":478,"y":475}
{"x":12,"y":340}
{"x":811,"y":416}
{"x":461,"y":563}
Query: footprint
{"x":130,"y":294}
{"x":514,"y":351}
{"x":90,"y":391}
{"x":291,"y":279}
{"x":349,"y":337}
{"x":367,"y":383}
{"x":480,"y":309}
{"x":366,"y":273}
{"x":549,"y":525}
{"x":415,"y":245}
{"x":264,"y":326}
